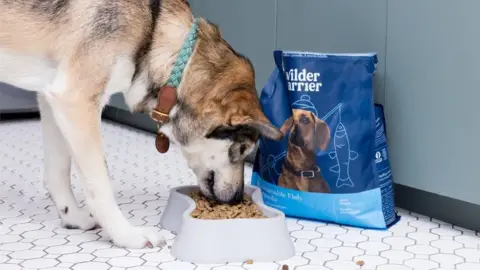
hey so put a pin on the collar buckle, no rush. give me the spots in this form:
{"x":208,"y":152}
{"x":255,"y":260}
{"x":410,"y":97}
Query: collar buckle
{"x":159,"y":117}
{"x":307,"y":174}
{"x":167,"y":98}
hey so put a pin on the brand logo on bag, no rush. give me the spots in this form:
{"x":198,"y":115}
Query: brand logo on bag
{"x":303,"y":81}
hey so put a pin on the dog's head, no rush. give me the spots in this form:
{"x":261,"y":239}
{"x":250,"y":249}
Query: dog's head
{"x":307,"y":131}
{"x":218,"y":118}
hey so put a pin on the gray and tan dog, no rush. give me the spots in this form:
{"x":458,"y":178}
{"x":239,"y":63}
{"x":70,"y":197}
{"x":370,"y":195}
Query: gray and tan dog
{"x":77,"y":53}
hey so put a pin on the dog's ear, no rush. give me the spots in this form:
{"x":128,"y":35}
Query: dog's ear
{"x":286,"y":125}
{"x":259,"y":122}
{"x":322,"y":134}
{"x":242,"y":108}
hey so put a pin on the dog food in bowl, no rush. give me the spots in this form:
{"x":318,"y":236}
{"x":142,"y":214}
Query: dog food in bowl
{"x":209,"y":241}
{"x":210,"y":209}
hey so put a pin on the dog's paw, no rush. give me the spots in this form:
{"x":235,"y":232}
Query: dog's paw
{"x":138,"y":238}
{"x":78,"y":219}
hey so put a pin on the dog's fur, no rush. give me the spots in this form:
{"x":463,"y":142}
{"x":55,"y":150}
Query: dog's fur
{"x":308,"y":133}
{"x":77,"y":53}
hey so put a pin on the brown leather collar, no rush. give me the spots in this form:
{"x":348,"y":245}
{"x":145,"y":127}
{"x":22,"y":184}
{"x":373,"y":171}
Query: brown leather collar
{"x":167,"y":98}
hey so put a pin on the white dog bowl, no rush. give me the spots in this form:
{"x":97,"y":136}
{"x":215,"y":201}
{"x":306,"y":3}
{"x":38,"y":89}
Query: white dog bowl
{"x":225,"y":240}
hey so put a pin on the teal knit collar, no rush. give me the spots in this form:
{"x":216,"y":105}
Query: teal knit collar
{"x":183,"y":56}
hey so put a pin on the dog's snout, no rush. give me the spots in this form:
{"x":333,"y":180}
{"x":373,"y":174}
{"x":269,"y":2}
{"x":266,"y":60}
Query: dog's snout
{"x":304,"y":119}
{"x":296,"y":138}
{"x":232,"y":200}
{"x":211,"y":182}
{"x":224,"y":187}
{"x":238,"y":198}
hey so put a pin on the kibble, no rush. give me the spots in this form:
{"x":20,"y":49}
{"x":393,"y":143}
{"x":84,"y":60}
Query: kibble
{"x":284,"y":267}
{"x":209,"y":209}
{"x":360,"y":263}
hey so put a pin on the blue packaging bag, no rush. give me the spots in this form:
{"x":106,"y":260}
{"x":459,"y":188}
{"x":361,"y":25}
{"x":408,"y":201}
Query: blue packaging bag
{"x":332,"y":164}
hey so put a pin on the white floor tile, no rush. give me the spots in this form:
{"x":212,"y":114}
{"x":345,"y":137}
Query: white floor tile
{"x":31,"y":236}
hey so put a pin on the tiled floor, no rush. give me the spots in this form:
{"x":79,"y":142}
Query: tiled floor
{"x":30,"y":236}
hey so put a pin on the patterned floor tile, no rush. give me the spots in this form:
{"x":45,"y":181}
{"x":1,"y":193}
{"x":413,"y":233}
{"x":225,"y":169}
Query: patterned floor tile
{"x":31,"y":236}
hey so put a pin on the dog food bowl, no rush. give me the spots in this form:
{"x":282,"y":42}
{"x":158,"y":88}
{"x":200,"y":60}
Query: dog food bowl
{"x":225,"y":240}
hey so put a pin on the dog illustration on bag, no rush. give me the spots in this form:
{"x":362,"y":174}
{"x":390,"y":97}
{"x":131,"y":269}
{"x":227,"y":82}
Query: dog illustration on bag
{"x":308,"y":133}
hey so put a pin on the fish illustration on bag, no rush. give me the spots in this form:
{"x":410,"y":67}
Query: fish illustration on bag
{"x":343,"y":155}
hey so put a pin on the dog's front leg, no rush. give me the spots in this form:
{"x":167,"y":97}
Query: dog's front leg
{"x":77,"y":114}
{"x":57,"y":172}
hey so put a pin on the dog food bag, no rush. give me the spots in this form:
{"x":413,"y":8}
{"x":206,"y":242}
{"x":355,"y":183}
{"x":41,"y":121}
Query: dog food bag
{"x":332,"y":164}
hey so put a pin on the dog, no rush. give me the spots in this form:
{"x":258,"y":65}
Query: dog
{"x":76,"y":53}
{"x":308,"y":133}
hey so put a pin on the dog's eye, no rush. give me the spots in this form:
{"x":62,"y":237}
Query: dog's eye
{"x":243,"y":147}
{"x":304,"y":120}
